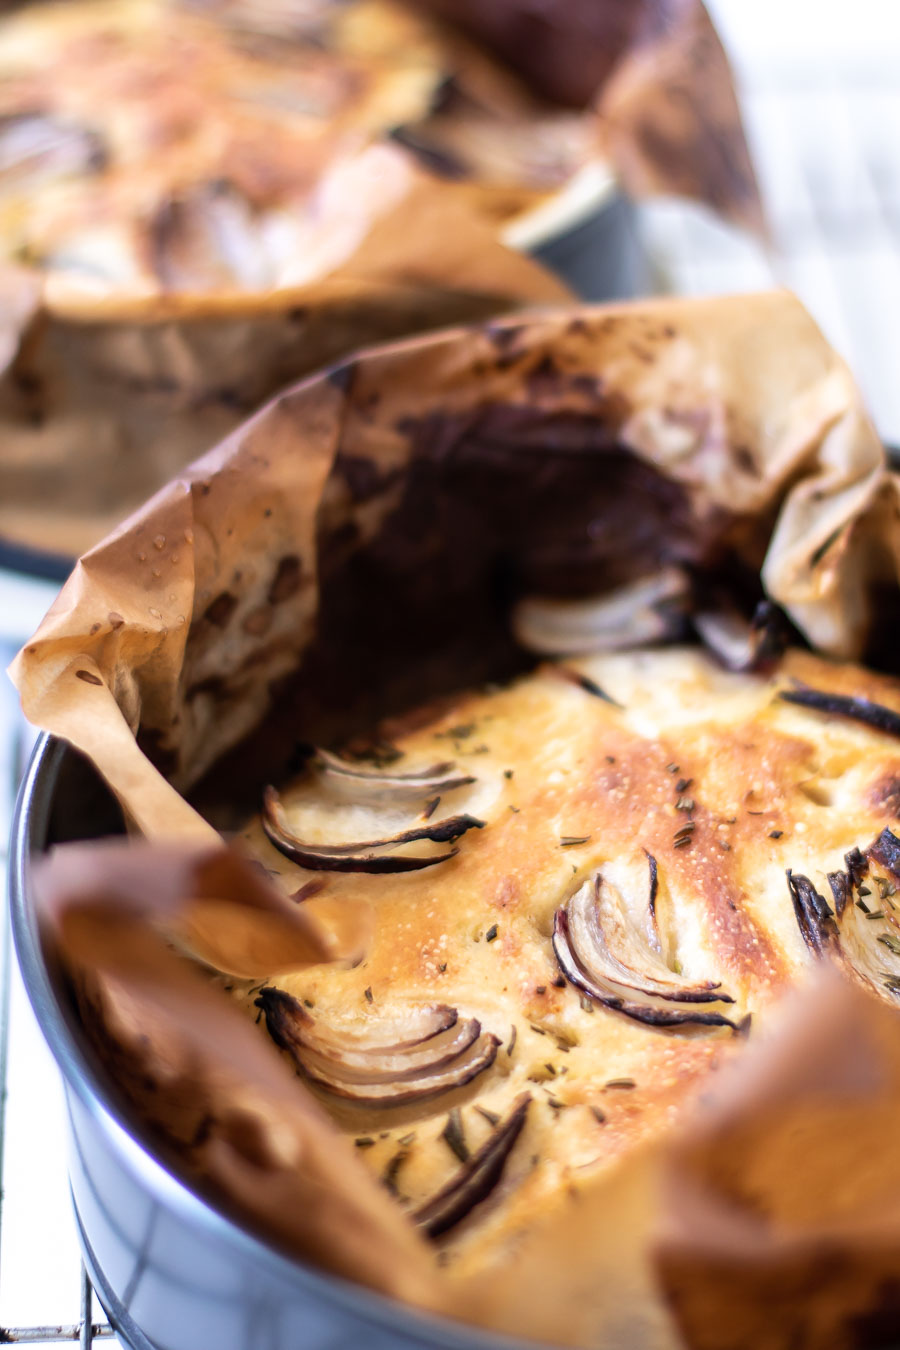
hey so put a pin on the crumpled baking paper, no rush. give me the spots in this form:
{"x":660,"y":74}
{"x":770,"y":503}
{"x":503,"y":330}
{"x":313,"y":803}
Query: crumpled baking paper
{"x":354,"y":549}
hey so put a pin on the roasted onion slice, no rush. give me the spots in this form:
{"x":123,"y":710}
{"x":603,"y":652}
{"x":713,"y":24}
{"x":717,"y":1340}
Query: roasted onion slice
{"x":387,"y":1074}
{"x":362,"y":856}
{"x":477,"y":1178}
{"x":602,"y":952}
{"x":862,"y":935}
{"x":742,"y":644}
{"x":377,"y":784}
{"x":840,"y":705}
{"x":649,"y":610}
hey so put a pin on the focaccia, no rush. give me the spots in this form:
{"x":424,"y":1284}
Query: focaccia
{"x":149,"y":145}
{"x":589,"y":887}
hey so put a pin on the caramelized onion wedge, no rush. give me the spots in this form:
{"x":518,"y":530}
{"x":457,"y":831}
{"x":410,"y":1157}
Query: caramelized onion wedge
{"x":632,"y":980}
{"x":646,"y":1010}
{"x":648,"y":610}
{"x":360,"y":857}
{"x":377,"y":783}
{"x":386,"y":1075}
{"x":815,"y":917}
{"x":865,"y":942}
{"x":384,"y":1067}
{"x":477,"y":1178}
{"x":616,"y":952}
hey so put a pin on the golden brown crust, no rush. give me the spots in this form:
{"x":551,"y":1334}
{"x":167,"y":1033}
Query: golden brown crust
{"x":721,"y":781}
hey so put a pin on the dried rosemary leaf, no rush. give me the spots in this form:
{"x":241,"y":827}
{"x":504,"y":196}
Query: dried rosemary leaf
{"x":389,"y":1175}
{"x":490,"y":1116}
{"x":454,"y":1137}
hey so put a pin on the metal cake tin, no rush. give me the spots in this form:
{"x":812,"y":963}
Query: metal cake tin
{"x":171,"y":1272}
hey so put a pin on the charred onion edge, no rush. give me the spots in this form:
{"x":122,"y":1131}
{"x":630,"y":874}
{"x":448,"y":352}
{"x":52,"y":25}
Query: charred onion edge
{"x":857,"y":709}
{"x":857,"y":865}
{"x":435,"y":777}
{"x":639,"y":1012}
{"x":886,"y":851}
{"x":654,"y":884}
{"x":815,"y":917}
{"x":293,"y":1030}
{"x":476,"y":1179}
{"x":354,"y":857}
{"x":400,"y":1092}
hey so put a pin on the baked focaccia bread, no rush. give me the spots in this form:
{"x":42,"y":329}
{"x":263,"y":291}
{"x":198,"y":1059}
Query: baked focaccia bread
{"x":589,"y":887}
{"x":151,"y":145}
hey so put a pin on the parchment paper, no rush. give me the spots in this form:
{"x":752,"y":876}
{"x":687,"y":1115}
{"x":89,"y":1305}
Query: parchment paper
{"x":656,"y":76}
{"x":355,"y":547}
{"x":207,"y":1090}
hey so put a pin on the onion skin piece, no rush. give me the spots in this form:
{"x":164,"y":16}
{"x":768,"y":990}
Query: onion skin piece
{"x":378,"y":1076}
{"x":357,"y":857}
{"x":402,"y":1092}
{"x":846,"y":938}
{"x":856,"y":709}
{"x":476,"y":1179}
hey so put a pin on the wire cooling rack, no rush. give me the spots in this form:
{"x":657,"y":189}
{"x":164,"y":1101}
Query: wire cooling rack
{"x":820,"y":84}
